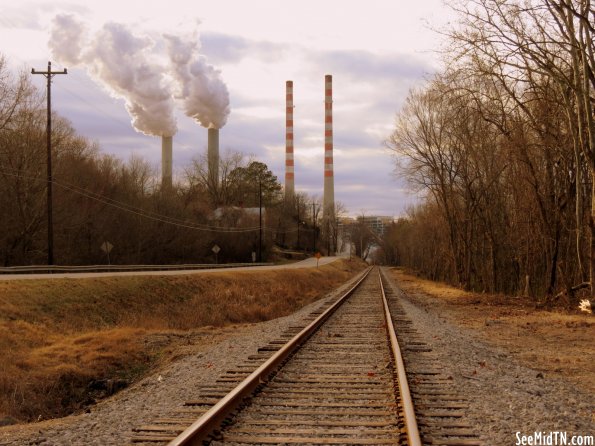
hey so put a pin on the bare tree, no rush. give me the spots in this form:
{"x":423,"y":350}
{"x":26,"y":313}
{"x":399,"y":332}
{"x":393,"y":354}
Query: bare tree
{"x":525,"y":46}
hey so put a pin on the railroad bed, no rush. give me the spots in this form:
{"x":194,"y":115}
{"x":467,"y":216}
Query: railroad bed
{"x":341,"y":384}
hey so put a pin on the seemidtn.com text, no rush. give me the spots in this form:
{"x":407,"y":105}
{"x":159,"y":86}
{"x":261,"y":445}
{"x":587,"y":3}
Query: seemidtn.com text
{"x":554,"y":438}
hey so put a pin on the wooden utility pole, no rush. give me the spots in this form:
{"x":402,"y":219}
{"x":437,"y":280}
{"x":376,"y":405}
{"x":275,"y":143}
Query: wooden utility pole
{"x":314,"y":224}
{"x":259,"y":220}
{"x":49,"y":74}
{"x":297,"y":199}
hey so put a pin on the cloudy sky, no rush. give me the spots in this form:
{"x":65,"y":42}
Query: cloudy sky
{"x":375,"y":50}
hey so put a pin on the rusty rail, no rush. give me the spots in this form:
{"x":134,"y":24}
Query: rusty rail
{"x":413,"y":436}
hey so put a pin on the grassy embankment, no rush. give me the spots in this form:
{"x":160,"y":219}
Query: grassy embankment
{"x":65,"y":342}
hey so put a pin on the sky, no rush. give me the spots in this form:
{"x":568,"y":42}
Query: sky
{"x":375,"y":50}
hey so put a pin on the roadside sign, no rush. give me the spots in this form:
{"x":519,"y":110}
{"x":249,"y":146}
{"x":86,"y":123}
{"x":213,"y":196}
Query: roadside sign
{"x":106,"y":247}
{"x":216,"y":250}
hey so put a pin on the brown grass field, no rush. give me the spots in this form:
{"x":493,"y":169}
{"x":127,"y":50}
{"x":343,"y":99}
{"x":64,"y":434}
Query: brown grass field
{"x":65,"y":343}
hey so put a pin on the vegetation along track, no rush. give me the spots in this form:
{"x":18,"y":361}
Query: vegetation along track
{"x":339,"y":380}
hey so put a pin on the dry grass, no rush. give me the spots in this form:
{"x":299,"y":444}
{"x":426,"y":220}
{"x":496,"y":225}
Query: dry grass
{"x":56,"y":376}
{"x":61,"y":339}
{"x":558,"y":342}
{"x":445,"y":291}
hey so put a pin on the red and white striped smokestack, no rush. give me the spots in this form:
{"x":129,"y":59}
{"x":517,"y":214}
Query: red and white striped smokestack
{"x":289,"y":161}
{"x":328,"y":210}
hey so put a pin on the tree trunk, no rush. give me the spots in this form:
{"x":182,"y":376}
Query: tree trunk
{"x":592,"y":225}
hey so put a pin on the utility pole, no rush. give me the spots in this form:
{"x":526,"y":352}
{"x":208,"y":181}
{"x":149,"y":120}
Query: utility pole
{"x":314,"y":224}
{"x":298,"y":222}
{"x":49,"y":74}
{"x":260,"y":220}
{"x":328,"y":236}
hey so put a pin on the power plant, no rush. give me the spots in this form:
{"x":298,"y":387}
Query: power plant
{"x":328,"y":204}
{"x":289,"y":162}
{"x":166,"y":162}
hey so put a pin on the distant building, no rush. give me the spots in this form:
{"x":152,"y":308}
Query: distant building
{"x":344,"y":224}
{"x":347,"y":225}
{"x":377,"y":223}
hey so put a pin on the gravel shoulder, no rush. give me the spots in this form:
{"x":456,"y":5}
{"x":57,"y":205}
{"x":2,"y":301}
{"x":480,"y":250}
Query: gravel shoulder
{"x":516,"y":379}
{"x":111,"y":421}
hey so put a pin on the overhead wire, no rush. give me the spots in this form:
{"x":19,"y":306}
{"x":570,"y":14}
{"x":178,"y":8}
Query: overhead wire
{"x":147,"y":213}
{"x":135,"y":210}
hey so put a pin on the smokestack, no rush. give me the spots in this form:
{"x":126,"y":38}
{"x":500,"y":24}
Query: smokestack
{"x":328,"y":210}
{"x":166,"y":162}
{"x":213,"y":156}
{"x":289,"y":164}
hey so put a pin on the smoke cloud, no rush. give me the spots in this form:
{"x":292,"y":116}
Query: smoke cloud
{"x":123,"y":64}
{"x":203,"y":94}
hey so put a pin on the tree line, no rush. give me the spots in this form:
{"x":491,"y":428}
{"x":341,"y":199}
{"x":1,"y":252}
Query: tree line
{"x":502,"y":143}
{"x":100,"y":198}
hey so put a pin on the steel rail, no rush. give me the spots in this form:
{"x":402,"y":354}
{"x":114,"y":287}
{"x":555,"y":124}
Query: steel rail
{"x":413,"y":437}
{"x":211,"y":420}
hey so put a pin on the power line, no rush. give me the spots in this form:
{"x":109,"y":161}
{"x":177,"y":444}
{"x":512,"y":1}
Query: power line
{"x":127,"y":207}
{"x":138,"y":211}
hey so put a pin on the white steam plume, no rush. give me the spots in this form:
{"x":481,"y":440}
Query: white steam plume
{"x":120,"y":61}
{"x":203,"y":94}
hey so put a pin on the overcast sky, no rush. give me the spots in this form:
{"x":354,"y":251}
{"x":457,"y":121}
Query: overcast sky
{"x":375,"y":50}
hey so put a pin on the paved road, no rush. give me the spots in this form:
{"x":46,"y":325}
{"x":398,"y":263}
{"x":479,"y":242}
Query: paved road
{"x":308,"y":263}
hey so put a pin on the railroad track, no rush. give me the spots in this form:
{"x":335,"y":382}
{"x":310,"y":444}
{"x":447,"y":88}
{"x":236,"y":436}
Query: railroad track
{"x":339,"y":380}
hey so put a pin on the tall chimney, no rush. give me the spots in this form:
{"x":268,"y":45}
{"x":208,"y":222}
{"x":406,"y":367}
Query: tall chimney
{"x":328,"y":210}
{"x":213,"y":156}
{"x":289,"y":163}
{"x":166,"y":162}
